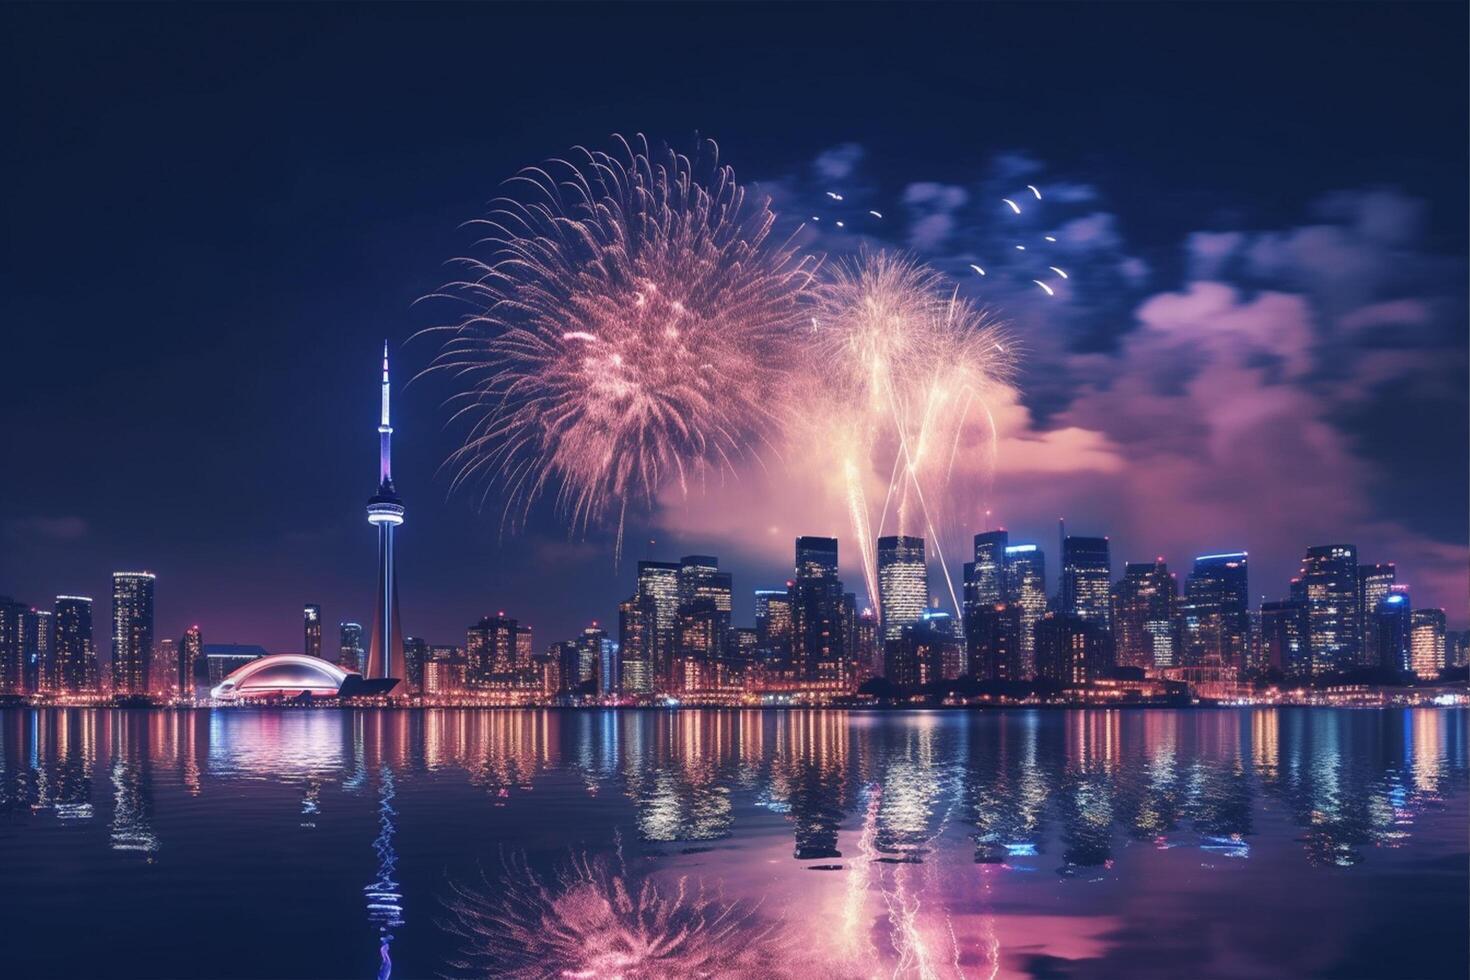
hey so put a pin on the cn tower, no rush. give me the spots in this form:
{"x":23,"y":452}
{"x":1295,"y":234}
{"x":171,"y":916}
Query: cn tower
{"x":385,"y":512}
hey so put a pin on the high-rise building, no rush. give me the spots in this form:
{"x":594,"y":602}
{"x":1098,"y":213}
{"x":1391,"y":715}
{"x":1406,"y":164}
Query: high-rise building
{"x":704,"y":641}
{"x":444,"y":673}
{"x":164,"y":676}
{"x":1427,"y":643}
{"x":1070,"y":649}
{"x":1457,"y":648}
{"x":987,"y":582}
{"x":993,"y":642}
{"x":312,"y":628}
{"x":12,"y":646}
{"x":1026,"y":588}
{"x":700,"y":578}
{"x":925,"y":651}
{"x":385,"y":512}
{"x":415,"y":656}
{"x":867,"y":645}
{"x":350,"y":653}
{"x":773,"y":625}
{"x":1284,"y":642}
{"x":635,"y":619}
{"x":818,"y":637}
{"x":191,"y":662}
{"x":1329,"y":587}
{"x":490,"y":650}
{"x":1374,"y":582}
{"x":658,"y":595}
{"x":1143,"y":615}
{"x":1216,"y":612}
{"x":589,"y":656}
{"x":903,"y":583}
{"x":76,"y":658}
{"x":1087,"y":579}
{"x":132,"y":631}
{"x":39,"y":651}
{"x":1393,"y":631}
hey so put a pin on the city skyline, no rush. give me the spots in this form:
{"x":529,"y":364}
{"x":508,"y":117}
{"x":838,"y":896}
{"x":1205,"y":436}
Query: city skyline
{"x":1336,"y":273}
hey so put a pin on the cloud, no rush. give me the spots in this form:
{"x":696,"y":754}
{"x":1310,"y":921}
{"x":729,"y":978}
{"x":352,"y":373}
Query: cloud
{"x":47,"y":528}
{"x":839,"y":162}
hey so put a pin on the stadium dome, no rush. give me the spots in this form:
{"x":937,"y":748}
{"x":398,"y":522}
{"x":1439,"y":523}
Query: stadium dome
{"x":281,"y":675}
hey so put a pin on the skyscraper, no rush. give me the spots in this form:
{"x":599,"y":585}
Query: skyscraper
{"x":311,"y":616}
{"x":773,"y":625}
{"x":993,"y":641}
{"x":1070,"y":649}
{"x":385,"y":512}
{"x":1284,"y":642}
{"x":1393,"y":626}
{"x":490,"y":650}
{"x":349,"y":647}
{"x":39,"y":651}
{"x":76,"y":658}
{"x":589,"y":657}
{"x":132,"y":631}
{"x":191,"y":661}
{"x":658,"y":595}
{"x":1374,"y":582}
{"x":415,"y":655}
{"x":1329,"y":587}
{"x":1217,"y":620}
{"x":164,"y":677}
{"x":1143,"y":615}
{"x":635,"y":620}
{"x":1026,"y":588}
{"x":1087,"y":579}
{"x":817,"y":612}
{"x":987,"y":583}
{"x":903,"y":583}
{"x":1426,"y":643}
{"x":12,"y":646}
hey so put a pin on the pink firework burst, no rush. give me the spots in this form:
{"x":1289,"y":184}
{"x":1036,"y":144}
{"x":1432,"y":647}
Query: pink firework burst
{"x":630,"y":325}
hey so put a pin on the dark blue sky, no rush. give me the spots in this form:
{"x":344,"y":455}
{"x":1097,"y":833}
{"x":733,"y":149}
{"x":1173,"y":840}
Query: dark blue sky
{"x":215,"y":214}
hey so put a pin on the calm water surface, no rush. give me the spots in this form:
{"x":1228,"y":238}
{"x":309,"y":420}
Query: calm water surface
{"x":319,"y":843}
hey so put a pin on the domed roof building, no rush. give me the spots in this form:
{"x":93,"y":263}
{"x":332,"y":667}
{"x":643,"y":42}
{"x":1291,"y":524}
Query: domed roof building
{"x":292,"y":675}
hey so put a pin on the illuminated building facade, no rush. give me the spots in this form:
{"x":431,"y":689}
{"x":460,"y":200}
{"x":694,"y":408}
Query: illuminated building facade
{"x":1070,"y":649}
{"x":1087,"y":579}
{"x":993,"y":642}
{"x":986,"y":584}
{"x":1217,"y":606}
{"x":773,"y":625}
{"x":12,"y":646}
{"x":817,"y":608}
{"x":350,"y":655}
{"x":311,"y":618}
{"x":191,"y":661}
{"x":281,"y":675}
{"x":589,"y":657}
{"x":1143,"y":613}
{"x":903,"y":583}
{"x":39,"y":650}
{"x":415,"y":655}
{"x":658,"y":595}
{"x":1285,"y":646}
{"x":1329,"y":586}
{"x":1393,"y":625}
{"x":1026,"y":588}
{"x":76,"y":657}
{"x":164,"y":678}
{"x":385,"y":512}
{"x":223,"y":659}
{"x":490,"y":650}
{"x":1374,"y":582}
{"x":132,"y":631}
{"x":1427,"y":643}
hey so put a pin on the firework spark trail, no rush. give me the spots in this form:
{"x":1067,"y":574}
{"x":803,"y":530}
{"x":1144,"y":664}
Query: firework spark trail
{"x":592,"y":919}
{"x":627,"y":332}
{"x":901,"y":360}
{"x":857,"y":940}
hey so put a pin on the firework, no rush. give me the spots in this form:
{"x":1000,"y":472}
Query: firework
{"x":905,"y":369}
{"x":629,"y":327}
{"x":592,"y":920}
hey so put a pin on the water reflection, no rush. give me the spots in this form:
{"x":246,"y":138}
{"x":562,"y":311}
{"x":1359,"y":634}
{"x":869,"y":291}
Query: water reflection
{"x":916,"y":827}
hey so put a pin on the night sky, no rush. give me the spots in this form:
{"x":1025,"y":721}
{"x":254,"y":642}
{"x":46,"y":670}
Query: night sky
{"x":215,"y":215}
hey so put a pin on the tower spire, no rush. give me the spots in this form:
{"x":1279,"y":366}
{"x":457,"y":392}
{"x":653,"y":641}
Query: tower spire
{"x":385,"y":431}
{"x":385,"y":512}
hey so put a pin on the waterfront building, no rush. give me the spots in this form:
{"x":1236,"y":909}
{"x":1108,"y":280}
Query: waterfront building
{"x":704,"y":641}
{"x":223,"y":659}
{"x":993,"y":641}
{"x":568,"y":659}
{"x":1393,"y":630}
{"x":1427,"y":643}
{"x":589,"y":656}
{"x":39,"y":651}
{"x":1374,"y":582}
{"x":350,"y":656}
{"x":1216,"y":612}
{"x":1329,"y":586}
{"x":444,"y":672}
{"x":1143,"y":608}
{"x":1284,"y":642}
{"x":415,"y":656}
{"x":490,"y":650}
{"x":311,"y":616}
{"x":773,"y":625}
{"x":385,"y":512}
{"x":192,"y":666}
{"x":132,"y":631}
{"x":164,"y":674}
{"x":1026,"y":588}
{"x":925,"y":651}
{"x":903,"y":583}
{"x":1071,"y":649}
{"x":817,"y":614}
{"x":12,"y":646}
{"x":1087,"y":579}
{"x":76,"y":657}
{"x":635,"y":619}
{"x":658,"y":596}
{"x":867,"y":645}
